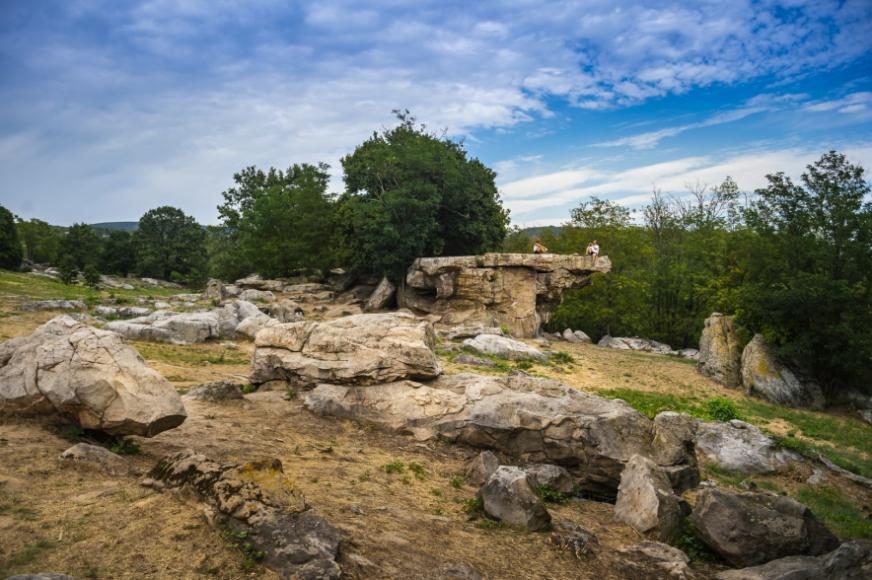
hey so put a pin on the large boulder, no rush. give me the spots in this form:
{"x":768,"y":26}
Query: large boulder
{"x":88,"y":374}
{"x":285,"y":310}
{"x":635,"y":343}
{"x":550,"y":476}
{"x":87,"y":456}
{"x":481,"y":467}
{"x":509,"y":497}
{"x":257,"y":500}
{"x":646,"y":502}
{"x":122,"y":311}
{"x":382,"y":296}
{"x":742,"y":447}
{"x":720,"y":350}
{"x":765,"y":376}
{"x":753,"y":528}
{"x":361,"y":349}
{"x":517,"y":291}
{"x":503,"y":347}
{"x":216,"y":391}
{"x":529,"y":418}
{"x":850,"y":561}
{"x":650,"y":560}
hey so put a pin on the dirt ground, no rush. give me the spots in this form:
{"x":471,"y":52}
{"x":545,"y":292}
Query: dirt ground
{"x":401,"y":525}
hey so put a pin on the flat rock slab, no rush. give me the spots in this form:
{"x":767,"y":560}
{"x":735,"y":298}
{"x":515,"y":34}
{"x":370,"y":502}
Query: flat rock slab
{"x":95,"y":457}
{"x":742,"y":447}
{"x":503,"y":347}
{"x":88,"y":374}
{"x":363,"y":349}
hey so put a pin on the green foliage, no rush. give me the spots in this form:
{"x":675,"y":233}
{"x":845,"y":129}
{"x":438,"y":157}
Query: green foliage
{"x":69,"y":273}
{"x":41,"y":240}
{"x":91,"y":275}
{"x":275,"y":223}
{"x":550,"y":495}
{"x":169,"y":241}
{"x":395,"y":466}
{"x":456,"y":482}
{"x":124,"y":446}
{"x":10,"y":244}
{"x":80,"y":246}
{"x":418,"y":470}
{"x":650,"y":403}
{"x":247,"y":389}
{"x":721,"y":409}
{"x":290,"y":393}
{"x":836,"y":511}
{"x":560,"y":357}
{"x":524,"y":365}
{"x":473,"y":506}
{"x":411,"y":193}
{"x":118,"y":255}
{"x":689,"y":542}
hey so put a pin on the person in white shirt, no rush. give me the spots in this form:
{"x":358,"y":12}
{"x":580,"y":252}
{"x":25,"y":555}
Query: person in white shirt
{"x":593,"y":250}
{"x":539,"y":247}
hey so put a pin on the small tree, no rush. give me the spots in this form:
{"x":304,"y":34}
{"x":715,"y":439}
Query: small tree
{"x":10,"y":245}
{"x":69,"y":272}
{"x":91,"y":275}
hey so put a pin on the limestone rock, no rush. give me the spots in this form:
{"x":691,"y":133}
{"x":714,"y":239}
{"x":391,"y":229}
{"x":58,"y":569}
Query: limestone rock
{"x":569,"y":336}
{"x":253,"y":324}
{"x":635,"y":343}
{"x":754,"y":528}
{"x":654,"y":561}
{"x":216,"y":391}
{"x":89,"y":374}
{"x":741,"y":447}
{"x":503,"y":347}
{"x":508,"y":496}
{"x":518,"y":291}
{"x":551,"y":476}
{"x":575,"y":539}
{"x":763,"y":375}
{"x":381,"y":297}
{"x":122,"y":311}
{"x":674,"y":435}
{"x":253,"y":295}
{"x":866,"y":415}
{"x":850,"y":561}
{"x":258,"y":499}
{"x":529,"y":418}
{"x":95,"y":457}
{"x":719,"y":350}
{"x":285,"y":310}
{"x":468,"y":359}
{"x":55,"y":305}
{"x":215,"y":290}
{"x":361,"y":349}
{"x":480,"y":469}
{"x":467,"y":331}
{"x":582,"y":336}
{"x":646,"y":502}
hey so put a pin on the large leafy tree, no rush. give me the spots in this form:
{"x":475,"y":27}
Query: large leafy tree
{"x":411,"y":193}
{"x":81,"y":246}
{"x":118,"y":255}
{"x":170,"y":245}
{"x":10,"y":245}
{"x":41,"y":240}
{"x":276,"y":222}
{"x":807,"y":280}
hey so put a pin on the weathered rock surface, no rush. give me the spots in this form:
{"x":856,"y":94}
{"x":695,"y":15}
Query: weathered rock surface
{"x":468,"y":359}
{"x":719,"y":350}
{"x":518,"y":291}
{"x":763,"y":375}
{"x":381,"y":297}
{"x":635,"y":343}
{"x":532,"y":419}
{"x":570,"y":335}
{"x":753,"y":528}
{"x":850,"y":561}
{"x":41,"y":576}
{"x":253,"y":324}
{"x":258,"y":499}
{"x":866,"y":415}
{"x":503,"y":347}
{"x":122,"y":311}
{"x":646,"y":502}
{"x":216,"y":391}
{"x":95,"y":457}
{"x":673,"y":448}
{"x":481,"y":467}
{"x":190,"y":327}
{"x":55,"y":305}
{"x":550,"y":476}
{"x":467,"y":331}
{"x":285,"y":310}
{"x":575,"y":539}
{"x":215,"y":290}
{"x":654,"y":561}
{"x":742,"y":447}
{"x":253,"y":295}
{"x":362,"y":349}
{"x":509,"y":497}
{"x":110,"y":282}
{"x":88,"y":374}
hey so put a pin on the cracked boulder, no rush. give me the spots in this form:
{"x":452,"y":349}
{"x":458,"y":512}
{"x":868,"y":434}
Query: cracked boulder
{"x":508,"y":496}
{"x":89,"y":375}
{"x":646,"y":502}
{"x":742,"y":447}
{"x":363,"y":349}
{"x":257,"y":499}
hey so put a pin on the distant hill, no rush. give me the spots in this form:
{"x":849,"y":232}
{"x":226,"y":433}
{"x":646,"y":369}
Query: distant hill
{"x":126,"y":226}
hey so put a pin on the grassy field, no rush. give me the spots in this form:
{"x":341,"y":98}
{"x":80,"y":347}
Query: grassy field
{"x":15,"y":284}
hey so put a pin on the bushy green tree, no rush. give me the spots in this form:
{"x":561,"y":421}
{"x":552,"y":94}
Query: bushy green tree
{"x":10,"y":245}
{"x":118,"y":255}
{"x":91,"y":275}
{"x":41,"y":240}
{"x":170,"y":244}
{"x":411,"y":193}
{"x":68,"y":270}
{"x":277,"y":222}
{"x":82,"y":245}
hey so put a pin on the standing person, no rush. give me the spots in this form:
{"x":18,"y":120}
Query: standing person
{"x":587,"y":249}
{"x":594,"y":250}
{"x":538,"y":247}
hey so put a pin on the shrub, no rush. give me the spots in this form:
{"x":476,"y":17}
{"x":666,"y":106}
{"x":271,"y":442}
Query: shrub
{"x":92,"y":276}
{"x":721,"y":409}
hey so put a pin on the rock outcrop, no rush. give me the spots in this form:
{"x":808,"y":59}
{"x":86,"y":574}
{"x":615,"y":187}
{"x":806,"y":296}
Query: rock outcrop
{"x":87,"y":374}
{"x":503,"y":347}
{"x":362,"y":349}
{"x":646,"y":502}
{"x":635,"y":343}
{"x":720,"y":350}
{"x":531,"y":419}
{"x":509,"y":497}
{"x":382,"y":296}
{"x":654,"y":561}
{"x":55,"y":305}
{"x":216,"y":391}
{"x":516,"y":291}
{"x":550,"y":476}
{"x":850,"y":561}
{"x":85,"y":455}
{"x":742,"y":447}
{"x":754,"y":528}
{"x":257,"y":498}
{"x":765,"y":376}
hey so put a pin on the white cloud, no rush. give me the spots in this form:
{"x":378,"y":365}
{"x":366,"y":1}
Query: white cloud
{"x":853,"y":103}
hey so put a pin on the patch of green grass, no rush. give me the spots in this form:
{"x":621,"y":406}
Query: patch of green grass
{"x":836,"y":511}
{"x":721,"y":409}
{"x":550,"y":495}
{"x":191,"y":355}
{"x":650,"y":404}
{"x":30,"y":553}
{"x":290,"y":393}
{"x":248,"y":389}
{"x":560,"y":357}
{"x":473,"y":506}
{"x":395,"y":466}
{"x":456,"y":482}
{"x":125,"y":446}
{"x":723,"y":475}
{"x":41,"y":288}
{"x":418,"y":470}
{"x":524,"y":365}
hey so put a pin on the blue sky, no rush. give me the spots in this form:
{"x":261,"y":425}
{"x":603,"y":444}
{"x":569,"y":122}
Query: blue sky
{"x":112,"y":108}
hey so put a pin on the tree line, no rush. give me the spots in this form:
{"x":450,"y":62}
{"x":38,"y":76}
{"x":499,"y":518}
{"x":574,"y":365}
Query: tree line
{"x":792,"y":261}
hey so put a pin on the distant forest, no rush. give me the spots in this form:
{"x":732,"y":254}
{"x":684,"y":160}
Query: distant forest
{"x":792,"y":261}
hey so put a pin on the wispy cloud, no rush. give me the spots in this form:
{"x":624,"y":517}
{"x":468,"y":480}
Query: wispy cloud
{"x":854,"y":103}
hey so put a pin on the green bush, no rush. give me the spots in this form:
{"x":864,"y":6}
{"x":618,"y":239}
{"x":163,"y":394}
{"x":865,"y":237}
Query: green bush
{"x":721,"y":409}
{"x":91,"y":275}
